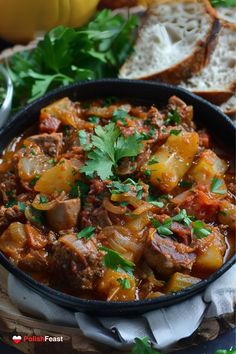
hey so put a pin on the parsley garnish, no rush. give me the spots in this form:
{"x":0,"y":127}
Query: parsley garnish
{"x":87,"y":233}
{"x":124,"y":283}
{"x":109,"y":147}
{"x":183,"y":217}
{"x":199,"y":229}
{"x":118,"y":188}
{"x":217,"y":183}
{"x":11,"y":203}
{"x":143,"y":346}
{"x":226,"y":351}
{"x":173,"y":117}
{"x":162,"y":229}
{"x":115,"y":261}
{"x":43,"y":199}
{"x":34,"y":180}
{"x":185,"y":184}
{"x":75,"y":190}
{"x":94,"y":120}
{"x":175,"y":132}
{"x":120,"y":115}
{"x":21,"y":206}
{"x":153,"y":160}
{"x":223,"y":3}
{"x":156,"y":203}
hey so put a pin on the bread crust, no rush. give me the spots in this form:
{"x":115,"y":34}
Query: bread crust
{"x":196,"y":61}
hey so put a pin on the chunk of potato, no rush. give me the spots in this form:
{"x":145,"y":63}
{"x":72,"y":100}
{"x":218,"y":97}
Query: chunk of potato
{"x":174,"y":160}
{"x":64,"y":110}
{"x":211,"y":250}
{"x":208,"y":166}
{"x":59,"y":178}
{"x":179,"y":281}
{"x":227,"y":214}
{"x":117,"y":286}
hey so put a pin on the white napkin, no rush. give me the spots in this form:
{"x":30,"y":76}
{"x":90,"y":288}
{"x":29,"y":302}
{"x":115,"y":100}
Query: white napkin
{"x":164,"y":327}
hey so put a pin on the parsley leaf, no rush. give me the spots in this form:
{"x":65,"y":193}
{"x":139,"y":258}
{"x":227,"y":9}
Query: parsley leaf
{"x":109,"y":147}
{"x":162,"y":229}
{"x":43,"y":199}
{"x":223,"y":3}
{"x":175,"y":132}
{"x":183,"y":217}
{"x":124,"y":283}
{"x":185,"y":184}
{"x":226,"y":351}
{"x":143,"y":346}
{"x":34,"y":180}
{"x":199,"y":229}
{"x":115,"y":261}
{"x":153,"y":160}
{"x":87,"y":233}
{"x":216,"y":185}
{"x":173,"y":117}
{"x":120,"y":115}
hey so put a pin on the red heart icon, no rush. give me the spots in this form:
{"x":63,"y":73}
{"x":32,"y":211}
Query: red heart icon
{"x":17,"y":339}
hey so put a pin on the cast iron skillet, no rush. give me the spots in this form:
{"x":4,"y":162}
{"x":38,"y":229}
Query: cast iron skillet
{"x":205,"y":114}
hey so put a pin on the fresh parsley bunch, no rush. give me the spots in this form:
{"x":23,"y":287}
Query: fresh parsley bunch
{"x":66,"y":55}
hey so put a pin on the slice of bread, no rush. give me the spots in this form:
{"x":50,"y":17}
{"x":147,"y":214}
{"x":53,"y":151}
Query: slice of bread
{"x":229,"y":107}
{"x":174,"y":42}
{"x":217,"y":81}
{"x":227,"y":14}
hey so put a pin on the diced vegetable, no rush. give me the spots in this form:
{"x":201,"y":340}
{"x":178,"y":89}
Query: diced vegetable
{"x":179,"y":281}
{"x":30,"y":167}
{"x":175,"y":158}
{"x":227,"y":214}
{"x":13,"y":241}
{"x":208,"y":166}
{"x":63,"y":110}
{"x":210,"y":254}
{"x":58,"y":178}
{"x":117,"y":286}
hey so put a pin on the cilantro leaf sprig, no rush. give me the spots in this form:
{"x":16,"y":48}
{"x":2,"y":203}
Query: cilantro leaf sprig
{"x":143,"y":345}
{"x":200,"y":230}
{"x":173,"y":118}
{"x":87,"y":233}
{"x":109,"y":146}
{"x":115,"y":261}
{"x":223,"y":3}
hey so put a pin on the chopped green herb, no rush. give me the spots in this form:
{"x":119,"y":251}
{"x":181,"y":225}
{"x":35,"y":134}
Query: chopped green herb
{"x":83,"y":137}
{"x":120,"y":115}
{"x":173,"y":117}
{"x":75,"y":190}
{"x":94,"y":120}
{"x":223,"y":3}
{"x":21,"y":206}
{"x":118,"y":188}
{"x":43,"y":199}
{"x":183,"y":217}
{"x":222,"y":212}
{"x":52,"y":161}
{"x":185,"y":184}
{"x":162,"y":229}
{"x":143,"y":346}
{"x":216,"y":185}
{"x":147,"y":173}
{"x":156,"y":203}
{"x":199,"y":229}
{"x":109,"y":147}
{"x":226,"y":351}
{"x":34,"y":180}
{"x":175,"y":132}
{"x":115,"y":261}
{"x":11,"y":203}
{"x":34,"y":215}
{"x":124,"y":283}
{"x":87,"y":233}
{"x":153,"y":160}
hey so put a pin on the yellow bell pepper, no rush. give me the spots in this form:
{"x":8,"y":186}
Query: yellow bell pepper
{"x":20,"y":20}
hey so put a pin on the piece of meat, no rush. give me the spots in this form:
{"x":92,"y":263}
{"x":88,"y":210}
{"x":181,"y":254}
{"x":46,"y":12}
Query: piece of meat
{"x":49,"y":125}
{"x":204,"y":139}
{"x":76,"y":263}
{"x":34,"y":261}
{"x":201,"y":205}
{"x":98,"y":217}
{"x":64,"y":215}
{"x":8,"y":215}
{"x":166,"y":256}
{"x":183,"y":233}
{"x":51,"y":144}
{"x":9,"y":185}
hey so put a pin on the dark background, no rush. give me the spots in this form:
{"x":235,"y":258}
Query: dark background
{"x":226,"y":341}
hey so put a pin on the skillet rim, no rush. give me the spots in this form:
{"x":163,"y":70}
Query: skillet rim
{"x":99,"y":306}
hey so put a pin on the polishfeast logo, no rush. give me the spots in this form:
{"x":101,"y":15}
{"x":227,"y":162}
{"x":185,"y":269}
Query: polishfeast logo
{"x":19,"y":339}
